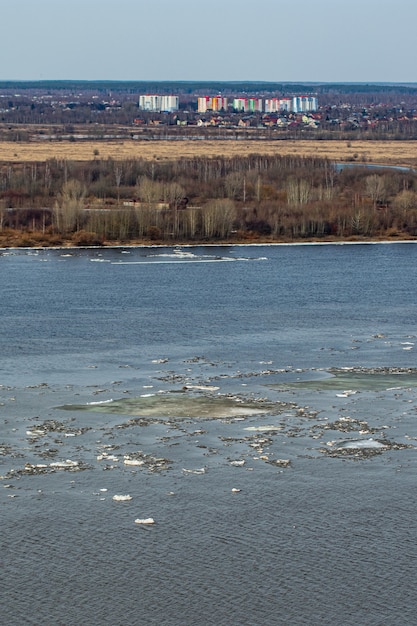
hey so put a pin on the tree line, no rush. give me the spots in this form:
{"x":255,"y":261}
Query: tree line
{"x":268,"y":198}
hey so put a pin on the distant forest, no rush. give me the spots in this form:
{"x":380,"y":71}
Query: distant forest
{"x":190,"y":87}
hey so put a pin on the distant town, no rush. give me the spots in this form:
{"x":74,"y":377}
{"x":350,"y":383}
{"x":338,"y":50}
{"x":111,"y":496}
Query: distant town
{"x":169,"y":110}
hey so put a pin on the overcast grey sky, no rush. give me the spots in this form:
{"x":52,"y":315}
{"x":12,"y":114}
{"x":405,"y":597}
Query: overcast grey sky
{"x":272,"y":40}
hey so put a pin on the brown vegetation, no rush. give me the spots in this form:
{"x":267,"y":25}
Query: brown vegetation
{"x":389,"y":152}
{"x":202,"y":199}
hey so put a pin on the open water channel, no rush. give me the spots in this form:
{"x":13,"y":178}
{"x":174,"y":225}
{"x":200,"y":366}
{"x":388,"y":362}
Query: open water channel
{"x":209,"y":435}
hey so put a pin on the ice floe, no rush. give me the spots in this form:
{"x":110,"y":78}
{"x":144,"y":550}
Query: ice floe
{"x":64,"y":464}
{"x":361,"y":443}
{"x":180,"y":405}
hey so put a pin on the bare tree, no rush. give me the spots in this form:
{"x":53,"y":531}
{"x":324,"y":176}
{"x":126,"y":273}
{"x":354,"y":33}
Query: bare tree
{"x":405,"y":206}
{"x":217,"y":218}
{"x":375,"y":188}
{"x":298,"y":191}
{"x":69,"y":206}
{"x":118,"y":173}
{"x":234,"y":183}
{"x":148,"y":190}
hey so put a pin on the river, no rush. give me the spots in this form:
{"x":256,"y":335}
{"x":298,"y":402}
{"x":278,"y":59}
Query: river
{"x":209,"y":435}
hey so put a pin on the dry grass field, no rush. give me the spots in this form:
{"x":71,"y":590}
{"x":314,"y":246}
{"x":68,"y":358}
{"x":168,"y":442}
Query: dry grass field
{"x":383,"y":152}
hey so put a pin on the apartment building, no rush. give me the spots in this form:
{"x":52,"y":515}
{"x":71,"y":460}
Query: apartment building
{"x":211,"y":103}
{"x":158,"y":104}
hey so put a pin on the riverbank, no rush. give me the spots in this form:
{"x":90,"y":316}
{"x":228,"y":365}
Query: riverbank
{"x":24,"y":242}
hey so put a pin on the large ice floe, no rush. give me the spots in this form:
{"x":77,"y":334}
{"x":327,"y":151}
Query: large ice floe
{"x":179,"y":406}
{"x":350,"y":380}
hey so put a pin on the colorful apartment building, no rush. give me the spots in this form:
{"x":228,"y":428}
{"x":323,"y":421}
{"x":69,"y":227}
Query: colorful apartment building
{"x":211,"y":103}
{"x":248,"y":105}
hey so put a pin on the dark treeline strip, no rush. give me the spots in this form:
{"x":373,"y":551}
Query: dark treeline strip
{"x":207,"y":86}
{"x":274,"y":198}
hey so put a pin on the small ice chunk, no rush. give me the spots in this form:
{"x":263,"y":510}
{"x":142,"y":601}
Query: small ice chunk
{"x":203,"y":387}
{"x":264,"y":429}
{"x":64,"y":464}
{"x":147,"y":521}
{"x":234,"y":490}
{"x":238,"y":463}
{"x":120,"y":498}
{"x":134,"y":462}
{"x":107,"y":457}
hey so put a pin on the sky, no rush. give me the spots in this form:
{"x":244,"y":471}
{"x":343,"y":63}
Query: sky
{"x":214,"y":40}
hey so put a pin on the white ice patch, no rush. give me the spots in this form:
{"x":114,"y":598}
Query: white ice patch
{"x":261,"y":429}
{"x":137,"y":462}
{"x":63,"y":464}
{"x":361,"y":443}
{"x":203,"y":387}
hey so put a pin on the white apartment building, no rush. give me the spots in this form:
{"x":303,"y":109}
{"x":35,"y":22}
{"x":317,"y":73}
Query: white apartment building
{"x":285,"y":104}
{"x":303,"y":104}
{"x":272,"y":105}
{"x":157,"y":103}
{"x":170,"y":103}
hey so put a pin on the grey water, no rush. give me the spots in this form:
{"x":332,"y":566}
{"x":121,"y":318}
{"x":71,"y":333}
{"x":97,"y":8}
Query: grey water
{"x":258,"y":403}
{"x":373,"y":166}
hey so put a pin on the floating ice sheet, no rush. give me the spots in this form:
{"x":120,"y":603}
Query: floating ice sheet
{"x":357,"y":379}
{"x":178,"y":405}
